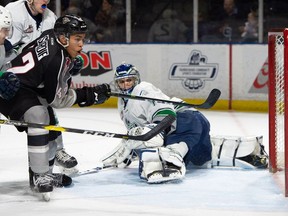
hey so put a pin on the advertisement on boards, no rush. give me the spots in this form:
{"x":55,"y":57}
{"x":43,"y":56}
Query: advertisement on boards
{"x":185,"y":71}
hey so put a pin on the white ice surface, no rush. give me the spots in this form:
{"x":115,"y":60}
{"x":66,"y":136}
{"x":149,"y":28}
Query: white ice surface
{"x":120,"y":191}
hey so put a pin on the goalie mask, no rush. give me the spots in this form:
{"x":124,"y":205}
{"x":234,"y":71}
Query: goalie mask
{"x":126,"y":77}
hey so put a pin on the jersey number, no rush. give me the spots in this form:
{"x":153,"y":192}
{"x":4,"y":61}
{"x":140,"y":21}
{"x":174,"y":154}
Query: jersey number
{"x":28,"y":64}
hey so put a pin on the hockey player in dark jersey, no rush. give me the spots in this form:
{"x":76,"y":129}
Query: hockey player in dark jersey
{"x":44,"y":70}
{"x":30,"y":19}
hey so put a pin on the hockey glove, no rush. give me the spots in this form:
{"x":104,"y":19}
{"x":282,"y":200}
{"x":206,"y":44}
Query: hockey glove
{"x":156,"y":141}
{"x":103,"y":91}
{"x":88,"y":96}
{"x":78,"y":65}
{"x":9,"y":85}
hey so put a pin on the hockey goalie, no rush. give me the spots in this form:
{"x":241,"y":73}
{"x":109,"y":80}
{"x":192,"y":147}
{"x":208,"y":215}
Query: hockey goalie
{"x":158,"y":163}
{"x":185,"y":143}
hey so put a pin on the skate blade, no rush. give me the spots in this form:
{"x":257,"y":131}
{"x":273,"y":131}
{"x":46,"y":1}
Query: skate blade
{"x":46,"y":196}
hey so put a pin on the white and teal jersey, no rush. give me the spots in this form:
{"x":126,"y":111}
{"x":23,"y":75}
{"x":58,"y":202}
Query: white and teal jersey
{"x":139,"y":113}
{"x":2,"y":55}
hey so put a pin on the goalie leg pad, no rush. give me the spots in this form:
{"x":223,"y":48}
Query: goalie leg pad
{"x":244,"y":152}
{"x":149,"y":162}
{"x":174,"y":153}
{"x":154,"y":169}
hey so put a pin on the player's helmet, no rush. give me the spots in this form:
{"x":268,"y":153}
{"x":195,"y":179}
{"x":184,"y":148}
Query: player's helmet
{"x":126,"y":71}
{"x":5,"y":18}
{"x":31,"y":1}
{"x":69,"y":24}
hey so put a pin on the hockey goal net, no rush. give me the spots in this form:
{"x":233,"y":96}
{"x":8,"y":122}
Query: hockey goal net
{"x":278,"y":103}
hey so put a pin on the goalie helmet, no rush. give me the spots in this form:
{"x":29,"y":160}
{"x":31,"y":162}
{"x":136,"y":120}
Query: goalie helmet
{"x":126,"y":71}
{"x":70,"y":24}
{"x":5,"y":18}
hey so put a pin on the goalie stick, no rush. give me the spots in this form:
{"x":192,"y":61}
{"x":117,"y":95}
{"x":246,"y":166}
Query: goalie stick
{"x":165,"y":123}
{"x":207,"y":104}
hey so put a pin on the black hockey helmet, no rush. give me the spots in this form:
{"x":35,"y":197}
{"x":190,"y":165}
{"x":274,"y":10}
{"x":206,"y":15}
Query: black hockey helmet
{"x":69,"y":24}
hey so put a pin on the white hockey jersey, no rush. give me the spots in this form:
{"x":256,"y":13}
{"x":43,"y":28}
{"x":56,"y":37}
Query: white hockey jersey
{"x":139,"y":113}
{"x":24,"y":26}
{"x":2,"y":55}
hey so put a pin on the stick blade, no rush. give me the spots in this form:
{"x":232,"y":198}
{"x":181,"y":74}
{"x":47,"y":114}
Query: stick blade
{"x":211,"y":100}
{"x":164,"y":124}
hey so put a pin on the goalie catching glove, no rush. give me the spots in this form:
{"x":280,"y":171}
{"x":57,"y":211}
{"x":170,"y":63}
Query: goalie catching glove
{"x":9,"y":85}
{"x":123,"y":153}
{"x":88,"y":96}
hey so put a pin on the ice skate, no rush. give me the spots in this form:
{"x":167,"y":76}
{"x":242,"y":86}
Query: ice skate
{"x":66,"y":163}
{"x":60,"y":180}
{"x":41,"y":183}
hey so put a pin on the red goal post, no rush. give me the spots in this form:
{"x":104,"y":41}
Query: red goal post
{"x":278,"y":102}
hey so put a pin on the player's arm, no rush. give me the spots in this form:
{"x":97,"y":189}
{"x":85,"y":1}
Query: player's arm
{"x":155,"y":112}
{"x":55,"y":83}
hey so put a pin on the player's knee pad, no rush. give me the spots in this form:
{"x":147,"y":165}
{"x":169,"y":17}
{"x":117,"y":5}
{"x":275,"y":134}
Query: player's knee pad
{"x":37,"y":114}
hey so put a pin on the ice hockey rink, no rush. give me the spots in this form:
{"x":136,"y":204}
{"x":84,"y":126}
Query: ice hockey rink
{"x":119,"y":192}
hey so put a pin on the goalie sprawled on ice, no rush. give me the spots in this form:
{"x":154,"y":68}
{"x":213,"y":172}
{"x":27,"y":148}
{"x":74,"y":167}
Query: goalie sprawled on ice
{"x":186,"y":141}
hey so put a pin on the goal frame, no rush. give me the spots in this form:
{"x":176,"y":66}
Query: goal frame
{"x":273,"y":166}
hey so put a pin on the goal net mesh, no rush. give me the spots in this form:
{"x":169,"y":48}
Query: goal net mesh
{"x":277,"y":96}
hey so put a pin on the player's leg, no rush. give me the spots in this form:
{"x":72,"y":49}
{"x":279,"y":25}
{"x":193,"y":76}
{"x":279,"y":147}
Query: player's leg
{"x":38,"y":150}
{"x":239,"y":151}
{"x":41,"y":154}
{"x":193,"y":129}
{"x":65,"y":161}
{"x":157,"y":165}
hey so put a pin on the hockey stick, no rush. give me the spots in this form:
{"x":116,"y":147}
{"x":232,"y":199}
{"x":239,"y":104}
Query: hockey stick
{"x":165,"y":123}
{"x":207,"y":104}
{"x":92,"y":170}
